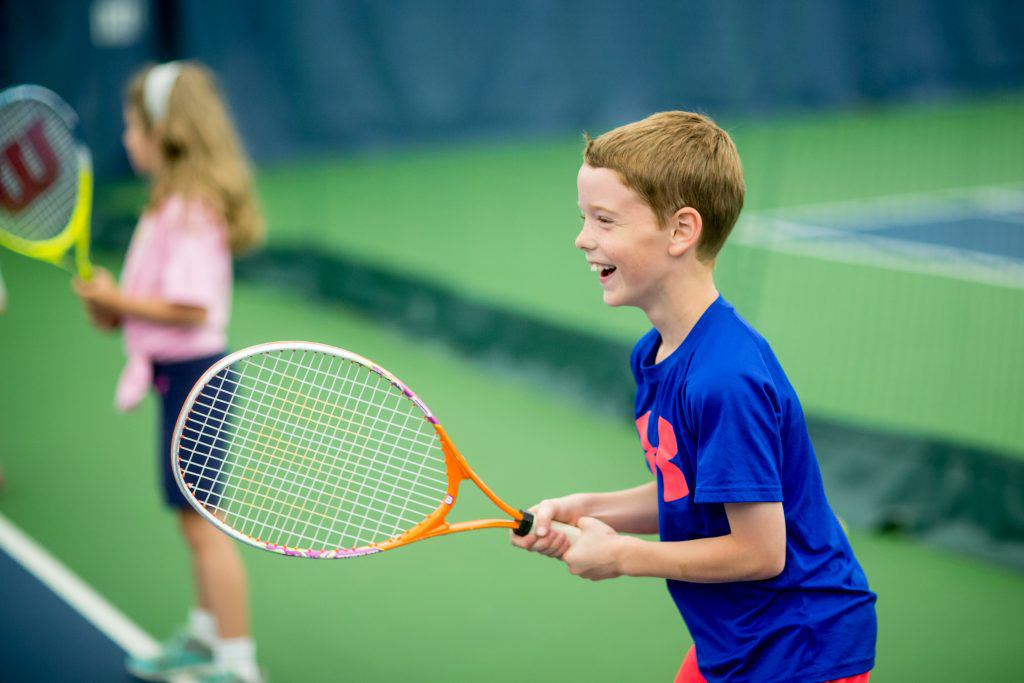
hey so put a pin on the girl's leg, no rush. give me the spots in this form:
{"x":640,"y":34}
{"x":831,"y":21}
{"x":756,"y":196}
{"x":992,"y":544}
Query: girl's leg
{"x":221,"y":586}
{"x":192,"y":649}
{"x":222,"y":591}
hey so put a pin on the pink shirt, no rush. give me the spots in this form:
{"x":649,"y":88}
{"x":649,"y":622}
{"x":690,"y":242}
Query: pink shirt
{"x":178,"y":253}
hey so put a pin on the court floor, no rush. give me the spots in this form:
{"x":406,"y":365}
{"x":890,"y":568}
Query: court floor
{"x":879,"y":250}
{"x":468,"y":607}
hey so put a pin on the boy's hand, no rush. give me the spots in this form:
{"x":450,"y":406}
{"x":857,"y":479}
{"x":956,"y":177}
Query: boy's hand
{"x":542,"y":539}
{"x":595,"y":555}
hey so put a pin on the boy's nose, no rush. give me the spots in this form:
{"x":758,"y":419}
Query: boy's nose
{"x":583,"y":240}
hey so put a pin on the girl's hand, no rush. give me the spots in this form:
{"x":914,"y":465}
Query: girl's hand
{"x":101,"y":290}
{"x":100,"y":296}
{"x":542,"y":539}
{"x":102,"y":318}
{"x":595,"y":555}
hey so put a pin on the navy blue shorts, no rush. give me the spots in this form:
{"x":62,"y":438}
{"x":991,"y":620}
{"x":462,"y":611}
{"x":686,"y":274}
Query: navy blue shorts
{"x":173,"y":382}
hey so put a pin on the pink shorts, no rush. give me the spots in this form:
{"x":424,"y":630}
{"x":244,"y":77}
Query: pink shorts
{"x":688,"y":672}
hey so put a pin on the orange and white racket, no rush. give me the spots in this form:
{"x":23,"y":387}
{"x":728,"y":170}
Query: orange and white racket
{"x":312,"y":451}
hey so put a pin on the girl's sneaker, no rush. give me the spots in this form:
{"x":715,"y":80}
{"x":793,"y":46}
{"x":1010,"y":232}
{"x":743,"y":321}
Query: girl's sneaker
{"x":181,"y":654}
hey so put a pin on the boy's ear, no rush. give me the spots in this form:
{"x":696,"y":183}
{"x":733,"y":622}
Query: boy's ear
{"x":685,"y":226}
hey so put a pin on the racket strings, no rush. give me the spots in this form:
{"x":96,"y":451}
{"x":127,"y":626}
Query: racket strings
{"x":299,"y":483}
{"x":306,"y":449}
{"x":304,"y":514}
{"x":38,"y":171}
{"x":325,"y":412}
{"x":406,"y":432}
{"x":292,"y":414}
{"x":263,"y":485}
{"x":259,"y":442}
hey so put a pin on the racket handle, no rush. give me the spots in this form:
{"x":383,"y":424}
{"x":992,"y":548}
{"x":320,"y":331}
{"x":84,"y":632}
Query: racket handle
{"x":526,"y":526}
{"x":571,"y":532}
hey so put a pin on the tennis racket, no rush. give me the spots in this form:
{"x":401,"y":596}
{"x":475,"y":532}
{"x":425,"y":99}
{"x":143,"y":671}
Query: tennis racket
{"x":45,"y":179}
{"x":309,"y":450}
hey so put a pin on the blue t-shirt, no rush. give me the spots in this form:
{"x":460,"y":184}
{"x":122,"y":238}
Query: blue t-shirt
{"x":720,"y":423}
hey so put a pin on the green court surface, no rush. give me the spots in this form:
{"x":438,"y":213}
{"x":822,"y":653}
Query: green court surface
{"x":498,"y":219}
{"x":873,"y":344}
{"x":80,"y":479}
{"x":876,"y":343}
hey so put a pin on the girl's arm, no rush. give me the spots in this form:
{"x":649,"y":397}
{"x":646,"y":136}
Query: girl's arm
{"x":754,"y":549}
{"x":160,"y":311}
{"x":101,"y":293}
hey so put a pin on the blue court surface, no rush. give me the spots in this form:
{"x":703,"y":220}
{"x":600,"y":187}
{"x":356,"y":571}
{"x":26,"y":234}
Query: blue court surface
{"x":974,"y":234}
{"x":997,"y":236}
{"x":53,"y":627}
{"x":43,"y":639}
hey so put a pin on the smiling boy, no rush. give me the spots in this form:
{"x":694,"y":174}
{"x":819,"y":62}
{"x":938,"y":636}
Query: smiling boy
{"x":755,"y":560}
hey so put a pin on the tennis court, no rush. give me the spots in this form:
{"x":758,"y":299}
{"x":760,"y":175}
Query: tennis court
{"x":887,"y":315}
{"x":423,"y":216}
{"x":442,"y":610}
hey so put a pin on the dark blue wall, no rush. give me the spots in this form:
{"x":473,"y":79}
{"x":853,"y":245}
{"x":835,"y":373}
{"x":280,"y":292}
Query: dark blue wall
{"x":317,"y":76}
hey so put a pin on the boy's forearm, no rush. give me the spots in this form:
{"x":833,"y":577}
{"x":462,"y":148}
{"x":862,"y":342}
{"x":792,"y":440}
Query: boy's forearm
{"x":630,"y":511}
{"x":705,"y":560}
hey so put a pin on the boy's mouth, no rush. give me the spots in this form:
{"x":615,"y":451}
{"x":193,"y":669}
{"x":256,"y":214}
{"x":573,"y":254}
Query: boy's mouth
{"x":604,"y":269}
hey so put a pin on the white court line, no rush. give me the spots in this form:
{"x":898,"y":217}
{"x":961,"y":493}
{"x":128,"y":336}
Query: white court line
{"x":997,"y":198}
{"x":810,"y":230}
{"x":77,"y":594}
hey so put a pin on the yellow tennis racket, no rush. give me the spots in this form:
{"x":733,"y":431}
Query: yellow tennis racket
{"x":45,"y":179}
{"x":313,"y":451}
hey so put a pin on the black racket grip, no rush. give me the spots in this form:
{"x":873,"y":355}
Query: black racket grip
{"x":525,"y":524}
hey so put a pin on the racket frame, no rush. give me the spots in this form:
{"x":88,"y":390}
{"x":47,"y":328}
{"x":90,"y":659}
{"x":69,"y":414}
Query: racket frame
{"x":434,"y":524}
{"x":76,"y":232}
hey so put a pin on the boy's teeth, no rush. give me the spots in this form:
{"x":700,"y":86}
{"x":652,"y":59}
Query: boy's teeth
{"x":594,"y":268}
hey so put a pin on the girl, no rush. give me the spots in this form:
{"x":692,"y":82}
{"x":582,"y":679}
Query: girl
{"x":172,"y":305}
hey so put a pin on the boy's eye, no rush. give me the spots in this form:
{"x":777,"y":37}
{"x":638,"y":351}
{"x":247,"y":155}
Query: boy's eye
{"x":604,"y":220}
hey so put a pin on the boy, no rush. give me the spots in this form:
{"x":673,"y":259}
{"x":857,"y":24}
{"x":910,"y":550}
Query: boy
{"x":755,"y":560}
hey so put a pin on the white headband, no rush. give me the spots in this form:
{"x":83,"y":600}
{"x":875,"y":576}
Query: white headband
{"x":156,"y":89}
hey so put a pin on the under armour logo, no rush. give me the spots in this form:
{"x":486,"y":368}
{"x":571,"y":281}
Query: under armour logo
{"x":660,"y":456}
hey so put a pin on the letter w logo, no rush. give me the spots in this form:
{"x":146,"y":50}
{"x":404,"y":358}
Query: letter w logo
{"x":660,"y":456}
{"x":31,"y":186}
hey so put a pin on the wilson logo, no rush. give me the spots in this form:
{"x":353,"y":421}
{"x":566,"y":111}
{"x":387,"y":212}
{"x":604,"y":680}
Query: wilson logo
{"x":30,"y":185}
{"x":660,"y":457}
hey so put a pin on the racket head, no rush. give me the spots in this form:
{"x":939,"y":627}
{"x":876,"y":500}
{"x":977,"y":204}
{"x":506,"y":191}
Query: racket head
{"x":313,"y":451}
{"x":45,"y":177}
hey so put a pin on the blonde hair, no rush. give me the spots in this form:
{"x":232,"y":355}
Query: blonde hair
{"x":677,"y":159}
{"x":200,"y":154}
